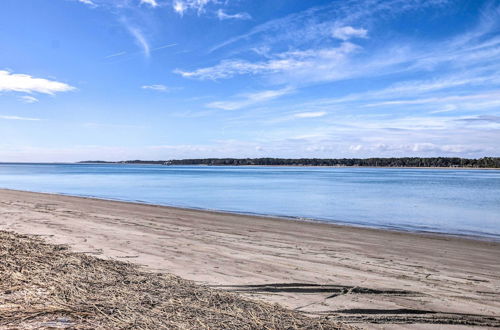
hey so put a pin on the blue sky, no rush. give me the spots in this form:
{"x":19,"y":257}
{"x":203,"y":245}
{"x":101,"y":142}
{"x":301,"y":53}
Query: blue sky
{"x":165,"y":79}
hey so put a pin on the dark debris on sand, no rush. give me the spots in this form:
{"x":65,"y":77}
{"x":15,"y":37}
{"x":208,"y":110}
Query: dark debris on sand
{"x":47,"y":286}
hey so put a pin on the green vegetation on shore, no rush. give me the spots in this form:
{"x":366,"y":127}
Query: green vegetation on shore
{"x":485,"y":162}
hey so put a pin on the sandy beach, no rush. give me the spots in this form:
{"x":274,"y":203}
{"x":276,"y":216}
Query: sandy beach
{"x":367,"y":277}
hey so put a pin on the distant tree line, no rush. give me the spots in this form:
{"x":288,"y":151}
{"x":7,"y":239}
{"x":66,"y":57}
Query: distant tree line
{"x":485,"y":162}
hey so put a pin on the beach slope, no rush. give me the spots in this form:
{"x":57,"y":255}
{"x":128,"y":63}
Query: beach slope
{"x":367,"y":277}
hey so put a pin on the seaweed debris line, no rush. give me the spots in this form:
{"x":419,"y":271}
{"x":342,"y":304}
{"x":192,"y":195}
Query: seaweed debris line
{"x":46,"y":286}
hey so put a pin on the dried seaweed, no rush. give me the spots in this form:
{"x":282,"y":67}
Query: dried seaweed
{"x":47,"y":286}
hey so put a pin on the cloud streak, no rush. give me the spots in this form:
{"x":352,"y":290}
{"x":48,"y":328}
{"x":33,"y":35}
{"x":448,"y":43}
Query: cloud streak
{"x":222,"y":15}
{"x":151,"y":3}
{"x":348,"y":32}
{"x":246,"y":100}
{"x":158,"y":88}
{"x":18,"y":118}
{"x":140,"y":40}
{"x":115,"y":55}
{"x":316,"y":114}
{"x":88,"y":3}
{"x":29,"y":99}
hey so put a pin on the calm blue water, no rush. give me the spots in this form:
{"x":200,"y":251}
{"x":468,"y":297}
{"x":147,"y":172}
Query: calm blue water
{"x":450,"y":201}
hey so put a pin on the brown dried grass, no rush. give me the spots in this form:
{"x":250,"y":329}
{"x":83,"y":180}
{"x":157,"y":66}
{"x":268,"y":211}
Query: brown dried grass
{"x":47,"y":286}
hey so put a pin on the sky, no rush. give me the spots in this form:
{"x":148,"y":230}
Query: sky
{"x":171,"y":79}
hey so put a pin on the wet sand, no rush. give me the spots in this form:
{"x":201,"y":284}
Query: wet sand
{"x":359,"y":275}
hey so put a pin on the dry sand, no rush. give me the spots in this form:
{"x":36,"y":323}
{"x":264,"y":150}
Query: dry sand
{"x":371,"y":278}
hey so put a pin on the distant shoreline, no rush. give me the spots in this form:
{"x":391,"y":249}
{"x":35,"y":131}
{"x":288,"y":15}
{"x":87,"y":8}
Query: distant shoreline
{"x":374,"y":162}
{"x":299,"y":166}
{"x":396,"y":162}
{"x":322,"y":166}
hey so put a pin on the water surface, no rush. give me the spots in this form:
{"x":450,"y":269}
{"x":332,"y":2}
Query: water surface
{"x":438,"y":200}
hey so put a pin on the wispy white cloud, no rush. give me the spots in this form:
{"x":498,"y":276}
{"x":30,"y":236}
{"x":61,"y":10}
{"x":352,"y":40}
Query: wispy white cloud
{"x":492,"y":98}
{"x":151,"y":3}
{"x":482,"y":118}
{"x":146,"y":48}
{"x":423,"y":149}
{"x":310,"y":114}
{"x":163,"y":47}
{"x":345,"y":62}
{"x":140,"y":40}
{"x":18,"y":118}
{"x":110,"y":126}
{"x":308,"y":64}
{"x":88,"y":2}
{"x":485,"y":76}
{"x":115,"y":55}
{"x":245,"y":100}
{"x":317,"y":23}
{"x":11,"y":82}
{"x":158,"y":87}
{"x":29,"y":99}
{"x":181,"y":6}
{"x":437,"y":89}
{"x":348,"y":32}
{"x":222,"y":15}
{"x":297,"y":62}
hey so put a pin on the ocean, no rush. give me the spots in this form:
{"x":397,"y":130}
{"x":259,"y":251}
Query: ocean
{"x":452,"y":201}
